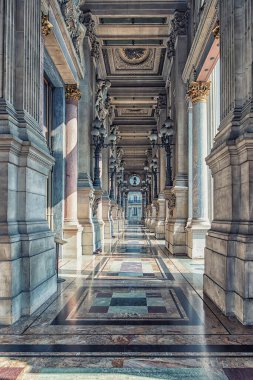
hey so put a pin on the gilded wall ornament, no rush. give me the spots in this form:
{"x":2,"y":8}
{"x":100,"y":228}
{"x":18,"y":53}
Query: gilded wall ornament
{"x":198,"y":91}
{"x":72,"y":92}
{"x":216,"y":30}
{"x":46,"y":26}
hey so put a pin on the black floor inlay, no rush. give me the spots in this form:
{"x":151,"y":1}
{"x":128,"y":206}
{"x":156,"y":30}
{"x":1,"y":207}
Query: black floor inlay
{"x":132,"y":348}
{"x":190,"y":317}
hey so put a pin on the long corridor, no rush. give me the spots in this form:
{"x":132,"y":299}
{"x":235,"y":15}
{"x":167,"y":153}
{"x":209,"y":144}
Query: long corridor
{"x":135,"y":312}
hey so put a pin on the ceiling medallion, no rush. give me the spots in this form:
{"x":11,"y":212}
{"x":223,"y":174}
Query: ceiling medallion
{"x":134,"y":56}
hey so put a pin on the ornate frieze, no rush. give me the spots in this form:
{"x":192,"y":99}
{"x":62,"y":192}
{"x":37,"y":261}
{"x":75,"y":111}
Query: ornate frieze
{"x":95,"y":205}
{"x":171,"y":198}
{"x":198,"y":91}
{"x":179,"y":25}
{"x":46,"y":25}
{"x":103,"y":101}
{"x":171,"y":45}
{"x":161,"y":104}
{"x":71,"y":13}
{"x":87,"y":20}
{"x":72,"y":92}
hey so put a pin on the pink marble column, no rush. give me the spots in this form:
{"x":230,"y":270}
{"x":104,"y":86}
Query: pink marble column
{"x":71,"y":226}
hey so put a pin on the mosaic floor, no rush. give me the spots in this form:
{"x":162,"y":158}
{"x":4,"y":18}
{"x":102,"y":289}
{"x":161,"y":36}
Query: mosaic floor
{"x":133,"y":313}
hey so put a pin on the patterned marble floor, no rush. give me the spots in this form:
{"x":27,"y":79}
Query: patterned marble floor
{"x":135,"y":312}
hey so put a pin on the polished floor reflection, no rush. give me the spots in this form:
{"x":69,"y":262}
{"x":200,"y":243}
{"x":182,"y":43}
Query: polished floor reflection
{"x":134,"y":313}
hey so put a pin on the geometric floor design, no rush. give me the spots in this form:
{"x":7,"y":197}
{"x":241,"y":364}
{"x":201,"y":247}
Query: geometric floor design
{"x":133,"y":313}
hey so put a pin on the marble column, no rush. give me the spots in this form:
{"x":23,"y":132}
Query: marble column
{"x":197,"y":229}
{"x":72,"y":229}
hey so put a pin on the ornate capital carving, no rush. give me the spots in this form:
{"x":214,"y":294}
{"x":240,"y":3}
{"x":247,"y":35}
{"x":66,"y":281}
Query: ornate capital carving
{"x":72,"y":92}
{"x":71,"y":13}
{"x":198,"y":91}
{"x":46,"y":25}
{"x":216,"y":30}
{"x":87,"y":20}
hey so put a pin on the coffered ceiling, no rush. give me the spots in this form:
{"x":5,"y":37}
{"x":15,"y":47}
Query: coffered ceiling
{"x":133,"y":36}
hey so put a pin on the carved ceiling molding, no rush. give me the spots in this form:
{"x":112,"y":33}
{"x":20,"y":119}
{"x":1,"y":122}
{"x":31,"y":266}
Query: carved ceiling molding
{"x":205,"y":27}
{"x":134,"y":56}
{"x":71,"y":14}
{"x":116,"y":65}
{"x":88,"y":21}
{"x":143,"y":62}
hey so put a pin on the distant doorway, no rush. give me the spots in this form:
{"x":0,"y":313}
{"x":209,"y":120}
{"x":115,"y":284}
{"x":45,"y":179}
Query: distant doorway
{"x":134,"y":209}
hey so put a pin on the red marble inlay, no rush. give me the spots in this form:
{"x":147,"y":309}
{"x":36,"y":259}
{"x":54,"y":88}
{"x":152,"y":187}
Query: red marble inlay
{"x":10,"y":373}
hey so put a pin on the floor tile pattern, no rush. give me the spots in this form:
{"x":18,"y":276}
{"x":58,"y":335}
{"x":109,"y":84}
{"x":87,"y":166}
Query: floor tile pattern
{"x":133,"y":312}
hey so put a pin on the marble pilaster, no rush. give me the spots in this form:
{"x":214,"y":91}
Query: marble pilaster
{"x":176,"y":222}
{"x":228,"y":280}
{"x":27,"y":249}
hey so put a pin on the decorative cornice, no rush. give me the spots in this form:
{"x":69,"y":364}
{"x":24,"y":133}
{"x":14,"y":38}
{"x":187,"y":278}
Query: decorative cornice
{"x":87,"y":20}
{"x":72,"y":92}
{"x":71,"y":13}
{"x":46,"y":26}
{"x":206,"y":24}
{"x":198,"y":91}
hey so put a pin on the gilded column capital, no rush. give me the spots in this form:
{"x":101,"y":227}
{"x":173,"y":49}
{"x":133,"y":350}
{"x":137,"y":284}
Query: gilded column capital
{"x":46,"y":25}
{"x":198,"y":91}
{"x":72,"y":92}
{"x":216,"y":30}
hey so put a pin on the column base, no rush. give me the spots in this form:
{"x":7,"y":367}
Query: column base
{"x":228,"y":273}
{"x":176,"y":237}
{"x":196,"y":239}
{"x":160,"y":230}
{"x":72,"y":233}
{"x":85,"y":195}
